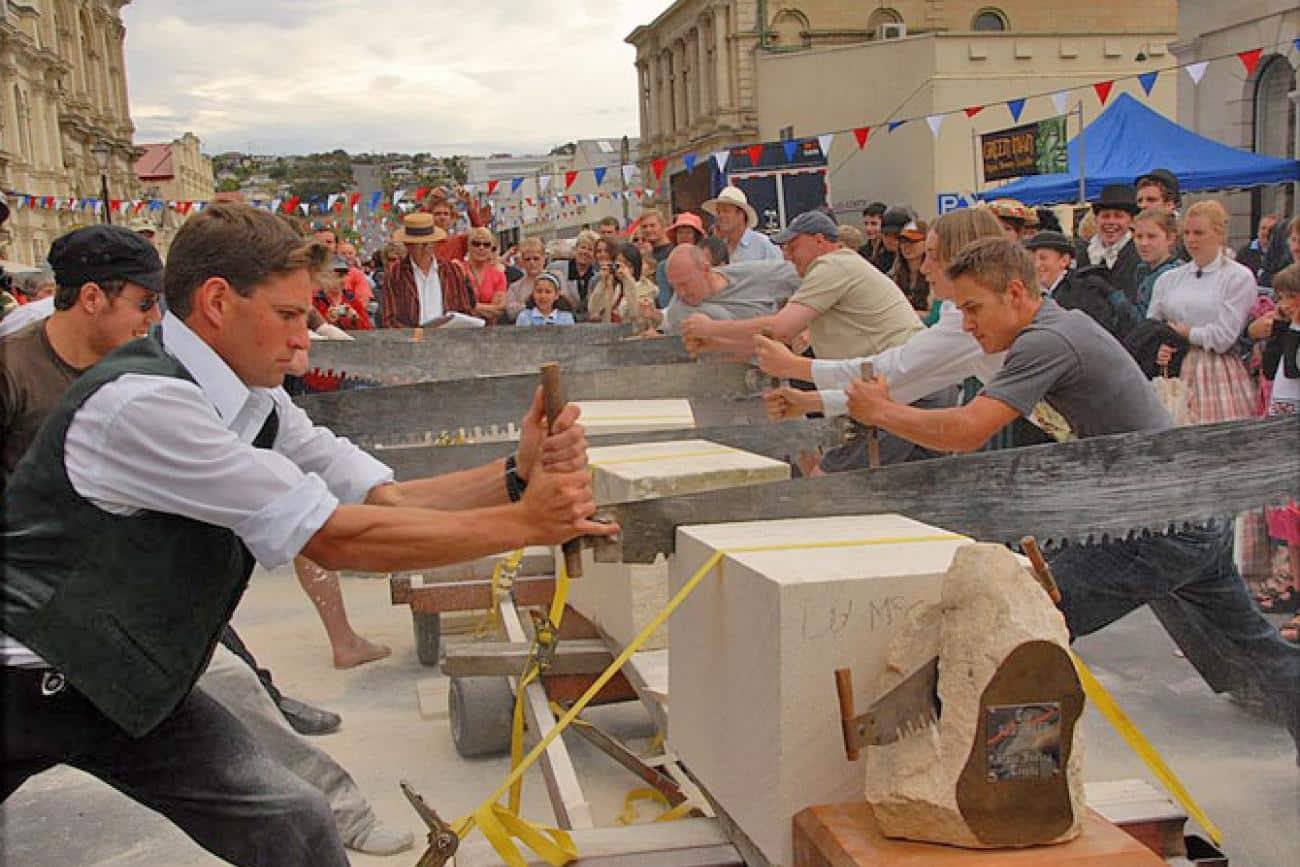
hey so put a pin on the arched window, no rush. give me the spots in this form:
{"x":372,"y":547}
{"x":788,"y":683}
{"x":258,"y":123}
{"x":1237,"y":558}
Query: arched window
{"x":1274,"y":131}
{"x":883,"y":15}
{"x":790,"y":29}
{"x":989,"y":21}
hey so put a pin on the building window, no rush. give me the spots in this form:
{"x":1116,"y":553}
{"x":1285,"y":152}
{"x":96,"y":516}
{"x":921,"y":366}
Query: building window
{"x":989,"y":21}
{"x":883,"y":15}
{"x":790,"y":30}
{"x":1274,"y":130}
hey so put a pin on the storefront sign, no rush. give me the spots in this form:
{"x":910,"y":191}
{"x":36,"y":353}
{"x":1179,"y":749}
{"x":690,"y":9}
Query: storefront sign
{"x":1032,"y":149}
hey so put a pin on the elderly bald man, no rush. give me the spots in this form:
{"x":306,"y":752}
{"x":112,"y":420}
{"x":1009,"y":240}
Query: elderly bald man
{"x":741,"y":290}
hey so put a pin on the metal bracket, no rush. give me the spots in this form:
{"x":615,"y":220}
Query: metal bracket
{"x":546,"y":635}
{"x":443,"y":841}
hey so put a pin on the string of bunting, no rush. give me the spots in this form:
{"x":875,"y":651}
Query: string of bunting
{"x":553,"y":206}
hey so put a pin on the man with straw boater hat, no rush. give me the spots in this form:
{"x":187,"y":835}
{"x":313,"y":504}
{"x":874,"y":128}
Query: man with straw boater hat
{"x":735,"y":222}
{"x":420,"y":286}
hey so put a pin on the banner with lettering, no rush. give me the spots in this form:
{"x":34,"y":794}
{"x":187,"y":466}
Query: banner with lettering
{"x":1031,"y":149}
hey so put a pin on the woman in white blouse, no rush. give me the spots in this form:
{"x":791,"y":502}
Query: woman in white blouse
{"x":1207,"y":301}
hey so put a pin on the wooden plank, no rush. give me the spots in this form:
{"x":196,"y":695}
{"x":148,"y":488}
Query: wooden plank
{"x":1104,"y":485}
{"x":585,"y":332}
{"x":589,"y":656}
{"x":683,"y":843}
{"x":845,"y":835}
{"x":567,"y":799}
{"x":477,"y":595}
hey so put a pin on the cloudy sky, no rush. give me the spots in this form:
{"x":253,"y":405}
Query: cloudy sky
{"x":296,"y":76}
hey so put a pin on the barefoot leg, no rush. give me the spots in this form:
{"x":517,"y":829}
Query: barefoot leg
{"x":322,"y":588}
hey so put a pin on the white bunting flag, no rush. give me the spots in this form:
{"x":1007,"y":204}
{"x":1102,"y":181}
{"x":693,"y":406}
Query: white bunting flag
{"x":304,"y":207}
{"x":1197,"y":70}
{"x":935,"y":121}
{"x":628,"y":172}
{"x":1058,"y":100}
{"x":397,"y":196}
{"x":824,"y":142}
{"x":543,"y":183}
{"x":720,"y":157}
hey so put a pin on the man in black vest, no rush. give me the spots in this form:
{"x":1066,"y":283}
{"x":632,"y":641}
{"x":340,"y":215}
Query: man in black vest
{"x":134,"y":520}
{"x":1112,"y":247}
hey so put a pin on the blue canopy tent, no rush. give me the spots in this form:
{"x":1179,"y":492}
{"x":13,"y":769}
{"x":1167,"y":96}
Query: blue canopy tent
{"x":1129,"y":139}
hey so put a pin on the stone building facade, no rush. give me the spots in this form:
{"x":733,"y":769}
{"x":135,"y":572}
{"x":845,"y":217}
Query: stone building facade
{"x":700,"y":87}
{"x":62,"y":90}
{"x":175,"y":171}
{"x":1259,"y":111}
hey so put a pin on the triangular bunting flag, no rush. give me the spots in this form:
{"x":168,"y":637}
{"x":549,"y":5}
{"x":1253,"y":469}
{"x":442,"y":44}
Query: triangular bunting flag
{"x":420,"y":193}
{"x":353,"y":199}
{"x":115,"y":204}
{"x":861,"y":134}
{"x":291,"y":205}
{"x":895,"y":124}
{"x":492,"y":187}
{"x":1197,"y":70}
{"x":529,"y":200}
{"x":1148,"y":81}
{"x":935,"y":121}
{"x":1016,"y":106}
{"x":628,"y":172}
{"x":599,"y":173}
{"x":330,"y":200}
{"x":721,"y":157}
{"x":569,"y":178}
{"x":974,"y":110}
{"x":755,"y":154}
{"x":304,"y":207}
{"x":1058,"y":100}
{"x":543,"y":184}
{"x":790,"y":148}
{"x":1103,"y":90}
{"x":1296,"y":42}
{"x":824,"y":142}
{"x":397,"y":195}
{"x":514,"y":184}
{"x":374,"y":199}
{"x":1250,"y":59}
{"x":658,"y":166}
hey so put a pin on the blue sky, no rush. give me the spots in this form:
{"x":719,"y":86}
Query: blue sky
{"x":294,"y":76}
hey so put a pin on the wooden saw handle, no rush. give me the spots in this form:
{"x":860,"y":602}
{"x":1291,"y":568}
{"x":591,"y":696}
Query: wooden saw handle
{"x":844,"y":691}
{"x":1041,"y":570}
{"x":873,"y":435}
{"x":553,"y":400}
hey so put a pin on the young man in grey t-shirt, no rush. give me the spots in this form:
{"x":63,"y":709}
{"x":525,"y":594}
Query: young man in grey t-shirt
{"x":1066,"y":359}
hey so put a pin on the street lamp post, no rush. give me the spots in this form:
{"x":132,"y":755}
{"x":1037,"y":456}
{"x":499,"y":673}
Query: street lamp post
{"x":101,"y":152}
{"x":624,"y":153}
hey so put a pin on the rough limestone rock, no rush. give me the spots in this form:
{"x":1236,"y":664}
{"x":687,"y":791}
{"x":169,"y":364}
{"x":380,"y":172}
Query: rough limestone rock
{"x":993,"y":778}
{"x":621,"y":598}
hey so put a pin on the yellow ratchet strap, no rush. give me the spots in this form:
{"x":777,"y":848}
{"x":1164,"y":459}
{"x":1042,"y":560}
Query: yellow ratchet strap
{"x":1110,"y":709}
{"x":508,"y":564}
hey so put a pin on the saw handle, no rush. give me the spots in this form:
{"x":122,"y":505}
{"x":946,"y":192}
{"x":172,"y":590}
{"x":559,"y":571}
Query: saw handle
{"x":553,"y":401}
{"x":772,"y":381}
{"x":844,"y":690}
{"x":1042,"y":571}
{"x":873,"y":435}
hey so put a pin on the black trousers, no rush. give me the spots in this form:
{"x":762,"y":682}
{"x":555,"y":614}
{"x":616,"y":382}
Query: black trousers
{"x":200,"y":768}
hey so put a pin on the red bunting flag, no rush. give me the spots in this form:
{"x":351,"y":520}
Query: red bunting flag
{"x":1103,"y":90}
{"x":419,"y":194}
{"x":388,"y":206}
{"x":184,"y":207}
{"x":755,"y":154}
{"x":138,"y":205}
{"x":354,"y":199}
{"x":492,"y":187}
{"x":569,"y":178}
{"x":1250,"y":59}
{"x":115,"y":204}
{"x":974,"y":110}
{"x":861,"y":134}
{"x":291,"y":205}
{"x":658,"y":166}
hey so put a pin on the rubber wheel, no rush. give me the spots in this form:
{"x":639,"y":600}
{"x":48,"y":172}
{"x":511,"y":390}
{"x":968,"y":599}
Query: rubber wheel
{"x":480,"y":710}
{"x":428,"y":637}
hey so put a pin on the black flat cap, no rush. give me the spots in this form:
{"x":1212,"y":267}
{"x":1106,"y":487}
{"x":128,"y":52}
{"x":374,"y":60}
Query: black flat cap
{"x":98,"y":253}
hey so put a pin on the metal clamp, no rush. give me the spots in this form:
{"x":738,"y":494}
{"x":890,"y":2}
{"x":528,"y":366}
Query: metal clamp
{"x":546,"y":636}
{"x":443,"y":841}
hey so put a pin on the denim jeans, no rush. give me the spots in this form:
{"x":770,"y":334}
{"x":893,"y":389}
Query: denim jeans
{"x":1189,"y":579}
{"x":199,"y":767}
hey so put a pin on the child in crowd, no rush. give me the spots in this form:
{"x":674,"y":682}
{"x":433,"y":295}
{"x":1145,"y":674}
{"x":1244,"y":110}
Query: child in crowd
{"x":1282,"y":366}
{"x":545,"y":305}
{"x":1155,"y":234}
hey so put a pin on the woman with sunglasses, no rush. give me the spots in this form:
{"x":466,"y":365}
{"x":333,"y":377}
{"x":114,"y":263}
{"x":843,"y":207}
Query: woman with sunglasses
{"x":486,"y":280}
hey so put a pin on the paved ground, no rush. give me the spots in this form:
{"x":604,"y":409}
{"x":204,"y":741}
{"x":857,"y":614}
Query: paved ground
{"x":1240,"y":768}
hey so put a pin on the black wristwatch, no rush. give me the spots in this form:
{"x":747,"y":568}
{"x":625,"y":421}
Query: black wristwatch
{"x":515,"y":485}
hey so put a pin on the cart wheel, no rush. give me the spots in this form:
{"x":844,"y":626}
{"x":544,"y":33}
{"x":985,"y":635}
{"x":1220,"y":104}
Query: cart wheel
{"x":428,"y":637}
{"x":480,"y":711}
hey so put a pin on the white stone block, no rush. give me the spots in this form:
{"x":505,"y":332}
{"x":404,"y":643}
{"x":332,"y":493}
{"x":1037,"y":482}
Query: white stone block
{"x":623,"y":597}
{"x":623,"y":416}
{"x":754,"y":710}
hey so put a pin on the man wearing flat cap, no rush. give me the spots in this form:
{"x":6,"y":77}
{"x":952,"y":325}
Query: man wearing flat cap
{"x":1112,"y":247}
{"x":848,"y":307}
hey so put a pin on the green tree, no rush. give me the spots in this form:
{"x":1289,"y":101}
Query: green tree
{"x":229,"y":185}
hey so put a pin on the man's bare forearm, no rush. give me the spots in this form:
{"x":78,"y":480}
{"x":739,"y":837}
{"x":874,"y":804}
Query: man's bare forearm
{"x":464,"y":489}
{"x":374,"y":539}
{"x":944,"y":430}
